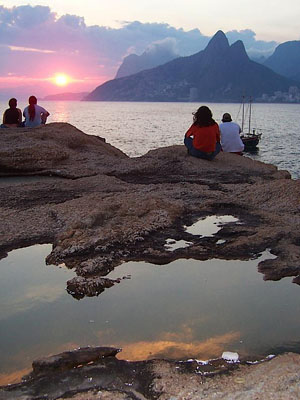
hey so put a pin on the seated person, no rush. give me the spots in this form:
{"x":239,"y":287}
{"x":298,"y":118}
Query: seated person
{"x":12,"y":117}
{"x":230,"y":135}
{"x":34,"y":114}
{"x":203,"y":137}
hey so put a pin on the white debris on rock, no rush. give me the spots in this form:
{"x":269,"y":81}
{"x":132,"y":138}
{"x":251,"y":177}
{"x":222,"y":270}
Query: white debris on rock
{"x":230,"y":356}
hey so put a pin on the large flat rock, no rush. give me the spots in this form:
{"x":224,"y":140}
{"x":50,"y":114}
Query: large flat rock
{"x":110,"y":378}
{"x":116,"y":208}
{"x":100,"y":208}
{"x":53,"y":149}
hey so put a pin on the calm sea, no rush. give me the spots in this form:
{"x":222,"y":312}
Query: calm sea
{"x":136,"y":128}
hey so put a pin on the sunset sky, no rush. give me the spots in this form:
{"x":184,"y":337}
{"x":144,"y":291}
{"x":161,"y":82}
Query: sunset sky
{"x":75,"y":45}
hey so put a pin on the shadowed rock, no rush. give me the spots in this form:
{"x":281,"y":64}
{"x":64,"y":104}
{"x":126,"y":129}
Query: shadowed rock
{"x":80,"y":287}
{"x":297,"y":280}
{"x":110,"y":378}
{"x":71,"y":359}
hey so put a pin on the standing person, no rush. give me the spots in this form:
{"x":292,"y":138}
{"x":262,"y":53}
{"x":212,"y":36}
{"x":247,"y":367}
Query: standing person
{"x":203,"y":137}
{"x":230,"y":135}
{"x":12,"y":117}
{"x":34,"y":114}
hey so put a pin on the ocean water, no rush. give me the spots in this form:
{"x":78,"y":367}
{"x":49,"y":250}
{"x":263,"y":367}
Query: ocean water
{"x":181,"y":310}
{"x":136,"y":128}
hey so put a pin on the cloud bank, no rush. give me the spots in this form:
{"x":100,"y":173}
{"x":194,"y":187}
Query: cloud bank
{"x":36,"y":44}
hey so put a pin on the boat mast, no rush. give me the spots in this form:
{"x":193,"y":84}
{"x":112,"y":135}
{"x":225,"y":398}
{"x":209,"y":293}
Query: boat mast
{"x":250,"y":107}
{"x":243,"y":112}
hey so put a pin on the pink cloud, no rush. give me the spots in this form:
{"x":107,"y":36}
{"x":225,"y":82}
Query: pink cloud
{"x":36,"y":44}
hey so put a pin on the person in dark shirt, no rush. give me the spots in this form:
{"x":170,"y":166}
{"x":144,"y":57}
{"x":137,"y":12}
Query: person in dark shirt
{"x":12,"y":117}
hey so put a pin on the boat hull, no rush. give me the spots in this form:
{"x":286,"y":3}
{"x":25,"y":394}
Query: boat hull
{"x":250,"y":142}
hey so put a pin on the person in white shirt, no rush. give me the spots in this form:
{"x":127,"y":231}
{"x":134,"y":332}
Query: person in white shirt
{"x":34,"y":114}
{"x":230,"y":135}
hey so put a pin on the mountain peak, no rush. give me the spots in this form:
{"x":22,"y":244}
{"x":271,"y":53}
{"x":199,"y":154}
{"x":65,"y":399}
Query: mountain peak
{"x":218,"y":43}
{"x":286,"y":59}
{"x":238,"y":51}
{"x":218,"y":73}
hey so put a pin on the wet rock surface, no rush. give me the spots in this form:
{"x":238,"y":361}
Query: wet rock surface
{"x":80,"y":287}
{"x":64,"y":375}
{"x":71,"y":359}
{"x":101,"y":208}
{"x":106,"y":377}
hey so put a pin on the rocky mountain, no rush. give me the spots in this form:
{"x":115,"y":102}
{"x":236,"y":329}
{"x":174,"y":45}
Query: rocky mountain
{"x":220,"y":72}
{"x":65,"y":96}
{"x":286,"y":60}
{"x":151,"y":58}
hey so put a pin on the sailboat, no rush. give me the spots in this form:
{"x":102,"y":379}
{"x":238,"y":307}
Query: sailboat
{"x":251,"y":137}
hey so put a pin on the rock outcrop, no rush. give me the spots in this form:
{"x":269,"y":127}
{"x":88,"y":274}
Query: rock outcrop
{"x":100,"y":208}
{"x":106,"y":377}
{"x":71,"y":359}
{"x":116,"y":209}
{"x":55,"y":149}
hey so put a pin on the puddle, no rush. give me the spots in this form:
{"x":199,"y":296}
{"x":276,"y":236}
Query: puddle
{"x":186,"y":309}
{"x":205,"y":227}
{"x":209,"y":226}
{"x":172,"y":244}
{"x":27,"y":281}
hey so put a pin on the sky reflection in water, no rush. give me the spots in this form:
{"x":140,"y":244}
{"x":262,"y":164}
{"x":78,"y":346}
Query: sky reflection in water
{"x":184,"y":309}
{"x":204,"y":227}
{"x":210,"y":225}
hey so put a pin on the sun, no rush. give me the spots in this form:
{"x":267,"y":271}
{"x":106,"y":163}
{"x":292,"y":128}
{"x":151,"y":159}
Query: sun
{"x":61,"y":80}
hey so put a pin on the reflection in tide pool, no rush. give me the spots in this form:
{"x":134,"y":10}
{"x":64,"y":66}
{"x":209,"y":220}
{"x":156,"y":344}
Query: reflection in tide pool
{"x":172,"y":244}
{"x":28,"y":292}
{"x":205,"y":227}
{"x":200,"y":309}
{"x":26,"y":281}
{"x":187,"y":308}
{"x":210,"y":225}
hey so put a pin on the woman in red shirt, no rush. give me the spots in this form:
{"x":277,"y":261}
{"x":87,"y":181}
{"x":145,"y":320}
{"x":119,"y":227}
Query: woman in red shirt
{"x":203,"y":138}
